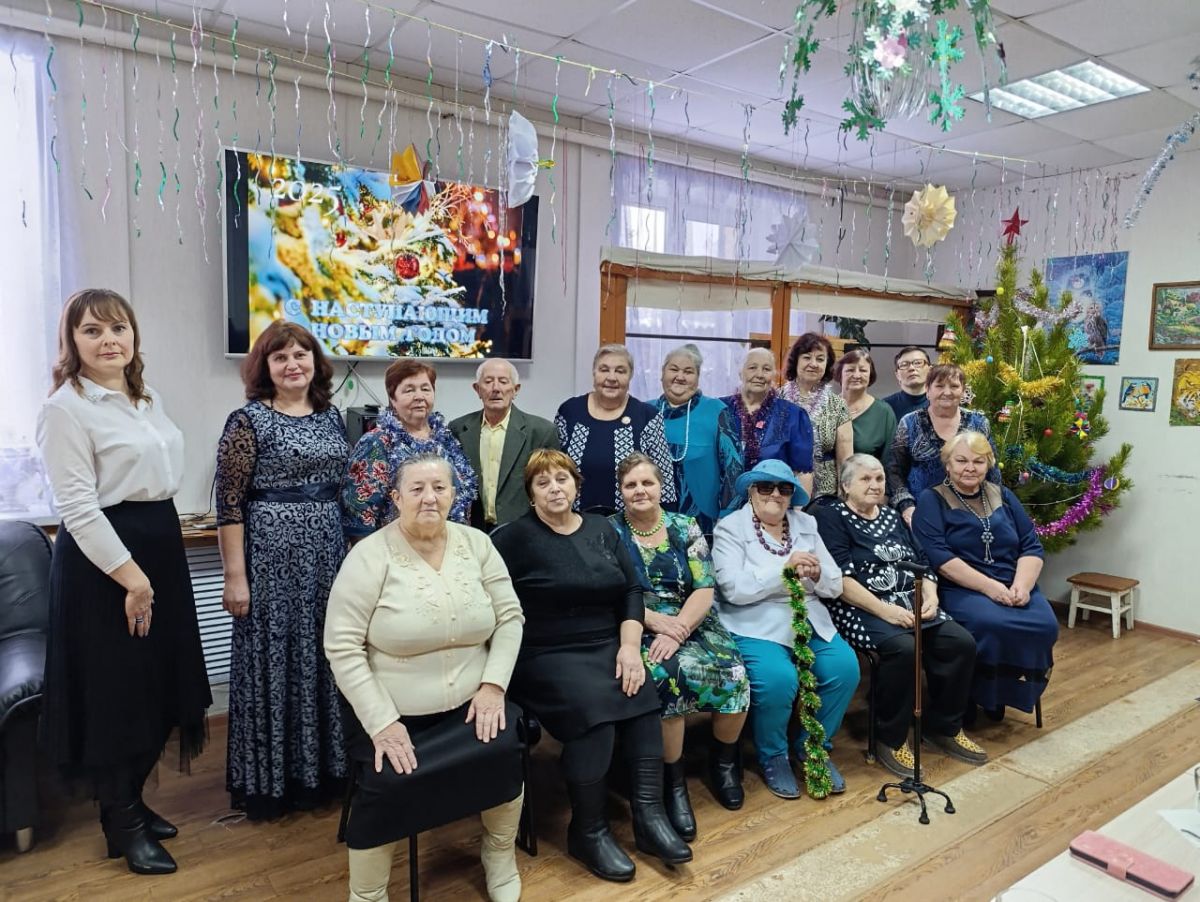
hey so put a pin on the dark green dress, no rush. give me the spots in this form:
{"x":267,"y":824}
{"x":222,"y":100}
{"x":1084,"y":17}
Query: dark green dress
{"x":873,"y":430}
{"x":707,"y":672}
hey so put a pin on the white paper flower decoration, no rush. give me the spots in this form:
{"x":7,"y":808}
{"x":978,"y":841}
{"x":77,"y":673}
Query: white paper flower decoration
{"x":522,"y":159}
{"x":929,"y":216}
{"x":793,"y":240}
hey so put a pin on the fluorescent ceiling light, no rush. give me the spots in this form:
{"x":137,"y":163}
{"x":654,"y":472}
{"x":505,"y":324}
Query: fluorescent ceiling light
{"x":1072,"y":88}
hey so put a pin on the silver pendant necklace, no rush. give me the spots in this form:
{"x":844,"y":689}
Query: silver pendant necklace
{"x":985,"y":521}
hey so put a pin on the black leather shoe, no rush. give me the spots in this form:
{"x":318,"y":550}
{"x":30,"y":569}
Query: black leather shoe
{"x":675,"y":798}
{"x":652,"y":830}
{"x":725,"y":775}
{"x":126,"y":833}
{"x":588,"y":838}
{"x":157,"y":825}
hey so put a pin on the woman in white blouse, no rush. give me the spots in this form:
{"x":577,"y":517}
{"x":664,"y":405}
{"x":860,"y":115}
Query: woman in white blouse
{"x":422,"y":632}
{"x":751,"y":547}
{"x":124,"y":665}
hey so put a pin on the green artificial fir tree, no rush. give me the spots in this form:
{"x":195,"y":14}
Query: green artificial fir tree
{"x":1023,"y":375}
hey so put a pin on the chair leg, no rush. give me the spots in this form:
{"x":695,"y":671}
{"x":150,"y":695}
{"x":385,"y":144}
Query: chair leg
{"x":526,"y":834}
{"x":351,"y":783}
{"x":24,"y":839}
{"x":1037,"y":713}
{"x":873,"y":667}
{"x":1071,"y":611}
{"x":414,"y":883}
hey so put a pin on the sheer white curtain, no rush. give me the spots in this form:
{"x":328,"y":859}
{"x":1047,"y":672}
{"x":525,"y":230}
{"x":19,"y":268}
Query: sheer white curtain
{"x":29,"y":261}
{"x":700,"y":213}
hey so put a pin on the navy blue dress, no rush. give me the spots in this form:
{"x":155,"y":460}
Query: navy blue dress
{"x":286,"y":748}
{"x":1015,"y":646}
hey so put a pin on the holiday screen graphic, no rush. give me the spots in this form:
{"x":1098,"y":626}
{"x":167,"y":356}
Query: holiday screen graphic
{"x":373,"y":269}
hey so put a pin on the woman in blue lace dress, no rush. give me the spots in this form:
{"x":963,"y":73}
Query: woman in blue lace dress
{"x":278,"y":465}
{"x":409,"y":426}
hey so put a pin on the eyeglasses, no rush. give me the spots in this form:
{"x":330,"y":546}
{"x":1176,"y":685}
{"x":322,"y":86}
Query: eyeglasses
{"x":766,"y":489}
{"x":912,"y":365}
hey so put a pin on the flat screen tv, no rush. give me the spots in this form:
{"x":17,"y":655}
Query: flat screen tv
{"x":375,"y":269}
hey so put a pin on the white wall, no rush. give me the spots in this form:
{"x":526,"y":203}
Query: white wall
{"x":1152,"y":536}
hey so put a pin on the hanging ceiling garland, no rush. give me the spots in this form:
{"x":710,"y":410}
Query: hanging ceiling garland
{"x":1175,"y":140}
{"x":900,"y":60}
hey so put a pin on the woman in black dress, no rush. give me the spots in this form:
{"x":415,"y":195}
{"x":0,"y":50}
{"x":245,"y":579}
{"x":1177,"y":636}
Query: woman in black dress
{"x":580,"y":671}
{"x":124,"y":667}
{"x":279,"y":464}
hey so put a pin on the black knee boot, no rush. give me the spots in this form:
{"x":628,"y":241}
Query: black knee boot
{"x":675,"y":797}
{"x":725,"y":775}
{"x":125,"y":829}
{"x":588,"y":836}
{"x":652,"y":830}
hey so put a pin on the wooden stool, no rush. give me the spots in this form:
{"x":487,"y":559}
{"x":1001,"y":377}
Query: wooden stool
{"x":1116,"y":591}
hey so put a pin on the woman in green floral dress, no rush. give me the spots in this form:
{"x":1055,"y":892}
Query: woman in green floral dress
{"x":692,"y":659}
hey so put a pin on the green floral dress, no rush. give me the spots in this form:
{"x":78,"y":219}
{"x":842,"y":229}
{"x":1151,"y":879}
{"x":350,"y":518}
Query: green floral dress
{"x":707,"y":672}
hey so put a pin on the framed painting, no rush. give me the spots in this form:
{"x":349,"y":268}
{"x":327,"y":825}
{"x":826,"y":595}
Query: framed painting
{"x":1185,"y":393}
{"x":1092,"y":288}
{"x":1138,"y":393}
{"x":1175,"y":316}
{"x":1088,"y":387}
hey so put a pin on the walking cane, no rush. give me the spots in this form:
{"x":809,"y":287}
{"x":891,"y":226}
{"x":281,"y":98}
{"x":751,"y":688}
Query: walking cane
{"x":914,"y":784}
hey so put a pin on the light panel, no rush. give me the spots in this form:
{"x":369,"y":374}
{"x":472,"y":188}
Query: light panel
{"x":1073,"y":88}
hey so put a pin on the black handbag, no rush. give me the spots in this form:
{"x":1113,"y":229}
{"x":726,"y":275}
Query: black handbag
{"x":456,"y":775}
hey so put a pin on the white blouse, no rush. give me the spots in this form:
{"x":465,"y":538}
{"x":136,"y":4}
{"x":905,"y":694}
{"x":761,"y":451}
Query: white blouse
{"x":101,"y":449}
{"x":752,"y":600}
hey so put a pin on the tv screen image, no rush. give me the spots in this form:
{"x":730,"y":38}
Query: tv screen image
{"x":374,"y":269}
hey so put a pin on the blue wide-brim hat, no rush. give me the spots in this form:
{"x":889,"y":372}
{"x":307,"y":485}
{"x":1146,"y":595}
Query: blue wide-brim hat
{"x":771,"y":471}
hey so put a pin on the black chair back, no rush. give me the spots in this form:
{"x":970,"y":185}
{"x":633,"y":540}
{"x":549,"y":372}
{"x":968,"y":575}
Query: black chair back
{"x":24,"y":579}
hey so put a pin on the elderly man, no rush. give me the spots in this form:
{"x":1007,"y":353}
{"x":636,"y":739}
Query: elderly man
{"x":912,"y":367}
{"x":498,"y":442}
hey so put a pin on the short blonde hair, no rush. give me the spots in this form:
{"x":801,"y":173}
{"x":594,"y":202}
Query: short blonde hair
{"x":977,"y":442}
{"x":615,"y":350}
{"x":543,"y":460}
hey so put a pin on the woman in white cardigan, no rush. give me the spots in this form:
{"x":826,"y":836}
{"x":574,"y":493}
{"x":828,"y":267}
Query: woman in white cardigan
{"x":422,"y":633}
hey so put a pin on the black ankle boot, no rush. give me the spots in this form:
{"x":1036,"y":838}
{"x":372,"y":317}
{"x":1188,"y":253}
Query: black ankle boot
{"x":675,"y":798}
{"x":588,"y":836}
{"x":156,"y":825}
{"x":125,"y":830}
{"x":652,"y":830}
{"x":725,"y":775}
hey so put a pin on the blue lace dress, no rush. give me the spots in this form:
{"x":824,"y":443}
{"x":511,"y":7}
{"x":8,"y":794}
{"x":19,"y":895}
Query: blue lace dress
{"x":285,"y":731}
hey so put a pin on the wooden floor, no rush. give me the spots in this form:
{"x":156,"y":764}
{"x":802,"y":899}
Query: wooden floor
{"x":298,"y":858}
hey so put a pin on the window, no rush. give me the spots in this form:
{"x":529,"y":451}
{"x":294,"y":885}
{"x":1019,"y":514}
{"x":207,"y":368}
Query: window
{"x":643,"y":228}
{"x":28,"y":260}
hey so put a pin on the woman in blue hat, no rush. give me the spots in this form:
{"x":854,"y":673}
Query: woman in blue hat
{"x":751,"y":548}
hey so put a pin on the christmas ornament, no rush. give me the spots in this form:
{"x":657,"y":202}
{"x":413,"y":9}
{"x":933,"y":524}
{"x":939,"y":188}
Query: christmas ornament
{"x":411,"y":188}
{"x":1112,"y":484}
{"x":1024,"y":478}
{"x":929,"y":215}
{"x":523,"y":162}
{"x":1005,"y":413}
{"x":946,"y":342}
{"x":1012,"y":227}
{"x":407,"y":266}
{"x":793,"y":241}
{"x":1080,"y":426}
{"x":1000,"y":291}
{"x":1048,"y":432}
{"x":990,"y":359}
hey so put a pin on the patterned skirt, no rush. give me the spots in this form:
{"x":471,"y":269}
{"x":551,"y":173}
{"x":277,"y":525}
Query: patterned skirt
{"x":706,"y":673}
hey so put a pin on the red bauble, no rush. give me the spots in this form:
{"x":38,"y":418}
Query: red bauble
{"x":340,"y":239}
{"x":1049,"y":432}
{"x":407,"y":266}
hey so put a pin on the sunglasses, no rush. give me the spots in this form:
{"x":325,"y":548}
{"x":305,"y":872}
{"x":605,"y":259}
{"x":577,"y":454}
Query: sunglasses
{"x":766,"y":489}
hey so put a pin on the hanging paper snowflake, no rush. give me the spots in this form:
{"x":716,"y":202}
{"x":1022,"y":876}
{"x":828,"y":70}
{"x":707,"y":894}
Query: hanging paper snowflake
{"x":929,"y":215}
{"x":523,"y":160}
{"x":793,"y":241}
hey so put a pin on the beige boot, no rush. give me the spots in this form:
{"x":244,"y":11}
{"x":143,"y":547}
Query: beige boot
{"x":498,"y":850}
{"x":370,"y":872}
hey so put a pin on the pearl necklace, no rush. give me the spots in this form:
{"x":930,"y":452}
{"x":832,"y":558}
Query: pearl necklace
{"x":662,"y":518}
{"x":985,"y":521}
{"x":687,"y":434}
{"x":786,"y":541}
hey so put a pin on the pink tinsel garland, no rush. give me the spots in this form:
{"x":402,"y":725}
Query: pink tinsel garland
{"x":1079,"y":511}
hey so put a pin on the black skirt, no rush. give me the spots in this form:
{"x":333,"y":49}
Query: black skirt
{"x":571,"y":688}
{"x":456,"y":775}
{"x":111,"y":697}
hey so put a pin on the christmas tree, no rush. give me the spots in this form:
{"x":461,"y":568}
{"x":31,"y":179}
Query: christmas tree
{"x":1022,"y":373}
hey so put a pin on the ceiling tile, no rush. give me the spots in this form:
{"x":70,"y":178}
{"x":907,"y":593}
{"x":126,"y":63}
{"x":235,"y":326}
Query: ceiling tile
{"x":1020,"y":140}
{"x":1106,"y":26}
{"x":1020,"y":8}
{"x":1027,"y":52}
{"x":650,"y":30}
{"x":1186,"y":93}
{"x":555,"y":17}
{"x":1119,"y":117}
{"x":974,"y":120}
{"x":1143,"y":144}
{"x":781,"y":15}
{"x":1079,"y":156}
{"x":1160,"y":65}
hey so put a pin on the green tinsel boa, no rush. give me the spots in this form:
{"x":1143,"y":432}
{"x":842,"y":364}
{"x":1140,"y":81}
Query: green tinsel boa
{"x":816,"y":767}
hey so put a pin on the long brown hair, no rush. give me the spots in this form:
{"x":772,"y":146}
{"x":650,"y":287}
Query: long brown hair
{"x":256,"y":371}
{"x":109,"y":307}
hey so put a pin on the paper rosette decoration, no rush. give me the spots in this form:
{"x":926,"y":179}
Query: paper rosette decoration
{"x":523,"y":160}
{"x":929,"y":216}
{"x":409,"y":188}
{"x":793,"y":241}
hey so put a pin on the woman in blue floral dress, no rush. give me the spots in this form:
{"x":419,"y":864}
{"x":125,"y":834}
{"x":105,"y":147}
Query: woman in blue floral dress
{"x":691,"y":657}
{"x":278,"y":465}
{"x":408,"y":427}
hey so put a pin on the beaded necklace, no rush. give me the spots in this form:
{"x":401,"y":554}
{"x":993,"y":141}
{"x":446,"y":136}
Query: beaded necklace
{"x":786,"y":540}
{"x":985,"y":520}
{"x":645,"y":534}
{"x":753,"y":425}
{"x":687,"y":430}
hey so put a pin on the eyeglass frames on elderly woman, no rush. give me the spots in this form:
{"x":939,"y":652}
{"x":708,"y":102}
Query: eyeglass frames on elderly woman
{"x":786,"y":489}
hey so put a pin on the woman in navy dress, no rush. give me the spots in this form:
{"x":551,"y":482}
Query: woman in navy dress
{"x":598,"y":430}
{"x":279,"y":463}
{"x":985,"y":549}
